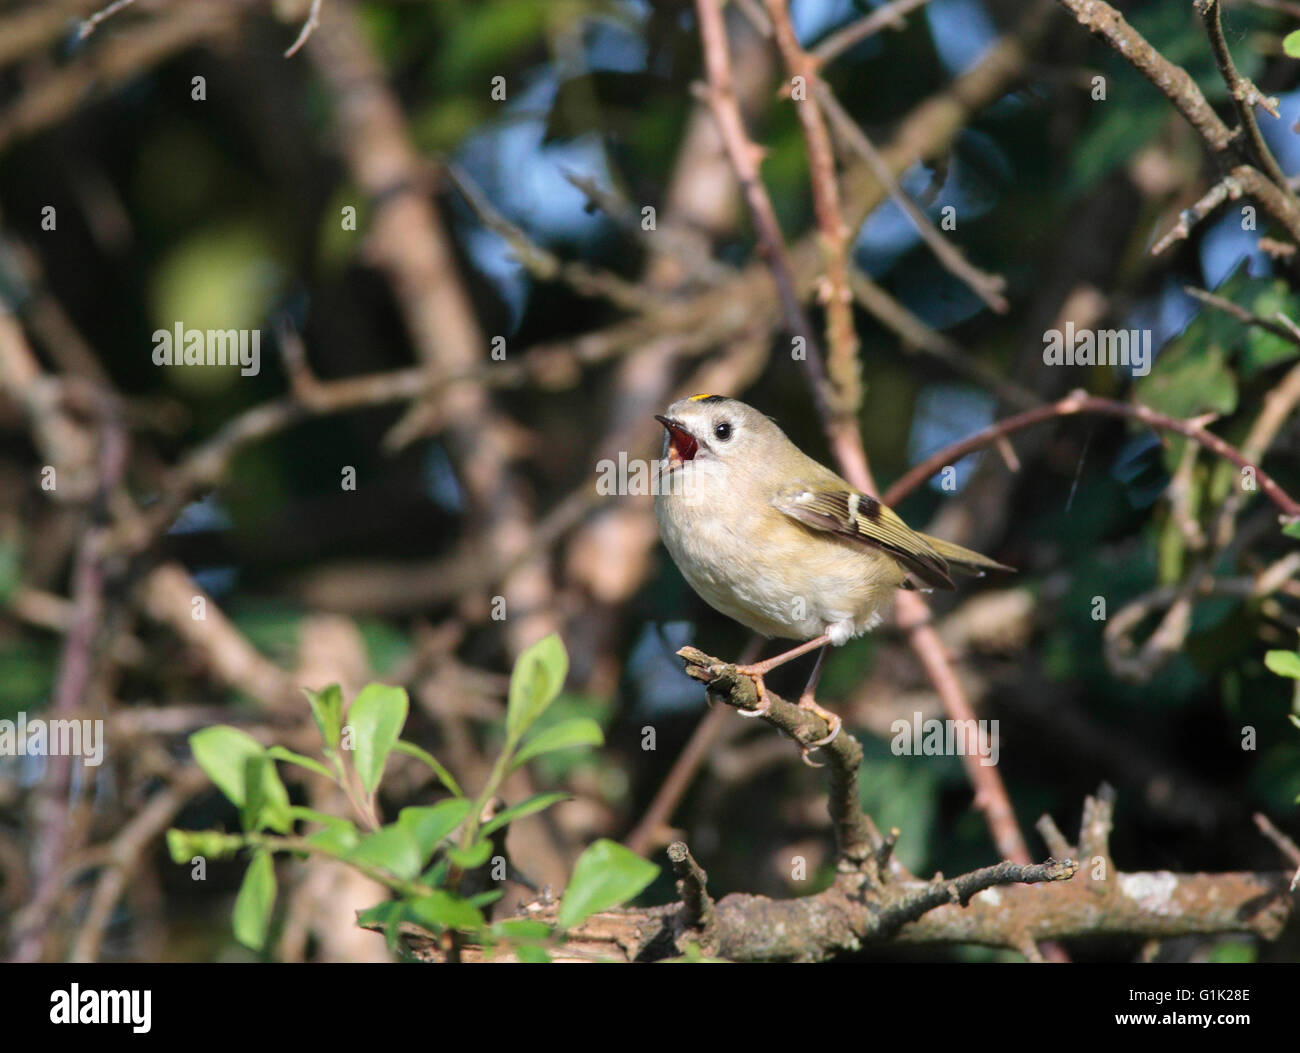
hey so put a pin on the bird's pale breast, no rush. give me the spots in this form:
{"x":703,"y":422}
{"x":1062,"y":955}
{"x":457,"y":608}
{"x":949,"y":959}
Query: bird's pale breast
{"x":833,"y":585}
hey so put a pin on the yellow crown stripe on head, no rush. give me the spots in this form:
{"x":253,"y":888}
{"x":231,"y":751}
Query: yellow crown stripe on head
{"x":701,"y":397}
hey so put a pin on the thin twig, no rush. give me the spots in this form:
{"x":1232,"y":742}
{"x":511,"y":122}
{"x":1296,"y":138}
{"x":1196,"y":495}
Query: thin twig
{"x":841,"y":337}
{"x":90,"y":24}
{"x":541,"y":262}
{"x":126,"y":852}
{"x":1220,"y":303}
{"x":651,"y":829}
{"x":692,"y":886}
{"x":689,"y":247}
{"x":988,"y":287}
{"x":77,"y":665}
{"x":309,"y":27}
{"x":1227,"y":188}
{"x":1051,"y":834}
{"x":745,"y":156}
{"x":1284,"y":844}
{"x":1244,"y":94}
{"x":1081,"y":402}
{"x":1173,"y":81}
{"x":887,"y":15}
{"x":842,"y":429}
{"x":917,"y":336}
{"x":1230,"y":147}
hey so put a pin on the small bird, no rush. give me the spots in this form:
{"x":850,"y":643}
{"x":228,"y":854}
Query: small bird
{"x":782,"y":544}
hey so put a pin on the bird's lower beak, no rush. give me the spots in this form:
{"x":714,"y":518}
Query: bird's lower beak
{"x":682,"y":446}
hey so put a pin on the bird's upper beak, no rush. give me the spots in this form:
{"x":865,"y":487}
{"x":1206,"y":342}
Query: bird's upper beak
{"x":682,"y":445}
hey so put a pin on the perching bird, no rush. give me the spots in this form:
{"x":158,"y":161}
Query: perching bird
{"x":782,"y":544}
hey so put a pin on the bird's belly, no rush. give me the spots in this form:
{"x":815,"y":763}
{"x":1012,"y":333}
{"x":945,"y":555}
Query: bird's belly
{"x":831,"y":587}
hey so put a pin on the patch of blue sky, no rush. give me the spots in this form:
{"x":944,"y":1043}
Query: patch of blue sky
{"x":1166,"y":314}
{"x":205,"y":514}
{"x":662,"y":687}
{"x":1279,"y":136}
{"x":948,"y":413}
{"x":962,"y":31}
{"x":888,"y":233}
{"x":1224,"y":244}
{"x":813,"y":19}
{"x":217,"y":581}
{"x":440,"y":482}
{"x":612,"y":41}
{"x":525,"y":178}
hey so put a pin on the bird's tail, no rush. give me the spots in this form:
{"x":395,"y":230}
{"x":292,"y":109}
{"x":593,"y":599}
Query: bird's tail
{"x":963,"y":558}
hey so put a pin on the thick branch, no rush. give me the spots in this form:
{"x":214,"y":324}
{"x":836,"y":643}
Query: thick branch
{"x":1153,"y":904}
{"x":854,"y":833}
{"x":1230,"y":147}
{"x":1173,"y":81}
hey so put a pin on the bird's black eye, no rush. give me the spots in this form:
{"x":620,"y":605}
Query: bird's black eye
{"x":722,"y":430}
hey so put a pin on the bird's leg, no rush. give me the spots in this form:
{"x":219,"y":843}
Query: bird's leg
{"x":758,"y":670}
{"x":808,"y":702}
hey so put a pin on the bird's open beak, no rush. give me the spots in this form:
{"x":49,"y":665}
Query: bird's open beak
{"x":682,"y":446}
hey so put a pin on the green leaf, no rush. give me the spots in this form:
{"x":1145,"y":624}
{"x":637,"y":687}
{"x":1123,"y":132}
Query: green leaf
{"x":428,"y":826}
{"x":1292,"y":529}
{"x":280,"y":753}
{"x":536,"y":680}
{"x":1234,"y":952}
{"x":310,"y":815}
{"x":518,"y":811}
{"x":391,"y":847}
{"x":443,"y":910}
{"x":522,"y":929}
{"x":327,"y":710}
{"x":250,"y":812}
{"x":444,"y":776}
{"x":1263,"y":348}
{"x":1284,"y":663}
{"x":474,"y":856}
{"x":339,"y":835}
{"x":581,"y":731}
{"x":222,"y":752}
{"x":532,"y":955}
{"x":605,"y":875}
{"x":498,"y":31}
{"x":387,"y":916}
{"x":337,"y":839}
{"x":184,"y":845}
{"x":1291,"y":43}
{"x":484,"y":899}
{"x":256,"y":900}
{"x":180,"y":846}
{"x":376,"y":717}
{"x":1189,"y":378}
{"x":11,"y":569}
{"x":436,"y":875}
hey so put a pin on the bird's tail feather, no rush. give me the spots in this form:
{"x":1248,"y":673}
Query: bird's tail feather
{"x":964,"y":558}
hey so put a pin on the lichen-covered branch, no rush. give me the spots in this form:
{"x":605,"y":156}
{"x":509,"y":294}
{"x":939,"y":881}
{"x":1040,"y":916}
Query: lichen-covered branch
{"x":854,"y":834}
{"x":1008,"y":906}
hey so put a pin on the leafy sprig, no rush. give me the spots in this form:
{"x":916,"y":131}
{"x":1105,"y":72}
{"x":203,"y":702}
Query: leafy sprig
{"x":422,"y":856}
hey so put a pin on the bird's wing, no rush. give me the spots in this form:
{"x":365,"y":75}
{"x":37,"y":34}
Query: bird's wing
{"x":846,"y":513}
